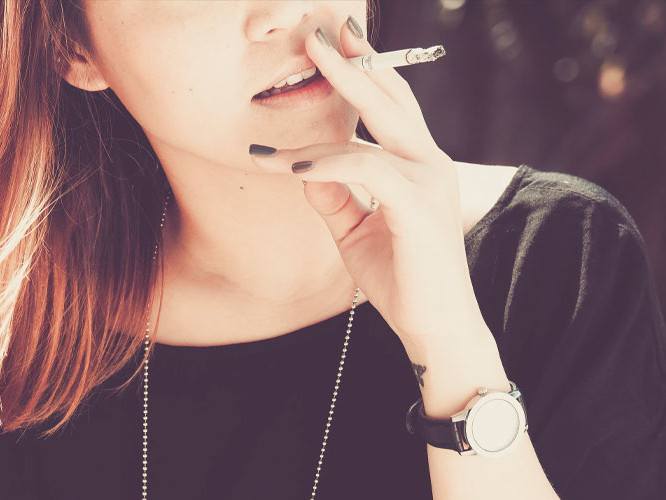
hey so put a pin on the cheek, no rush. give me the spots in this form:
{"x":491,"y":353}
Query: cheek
{"x":180,"y":106}
{"x":185,"y":98}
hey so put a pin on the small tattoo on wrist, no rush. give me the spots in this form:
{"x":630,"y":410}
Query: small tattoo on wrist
{"x":418,"y":371}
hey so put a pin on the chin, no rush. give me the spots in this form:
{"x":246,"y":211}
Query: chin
{"x":335,"y":123}
{"x":322,"y":132}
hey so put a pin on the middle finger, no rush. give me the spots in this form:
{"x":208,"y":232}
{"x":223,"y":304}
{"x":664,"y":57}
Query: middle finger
{"x":388,"y":79}
{"x":379,"y":112}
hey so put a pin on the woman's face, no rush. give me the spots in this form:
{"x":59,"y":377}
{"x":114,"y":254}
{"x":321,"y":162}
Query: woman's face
{"x":187,"y":71}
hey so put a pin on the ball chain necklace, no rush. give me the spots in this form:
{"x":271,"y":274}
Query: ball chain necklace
{"x":144,"y":493}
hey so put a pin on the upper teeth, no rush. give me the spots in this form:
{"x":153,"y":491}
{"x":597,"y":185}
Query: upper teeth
{"x":294,"y":79}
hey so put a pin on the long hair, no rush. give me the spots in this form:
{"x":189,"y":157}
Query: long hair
{"x":81,"y":198}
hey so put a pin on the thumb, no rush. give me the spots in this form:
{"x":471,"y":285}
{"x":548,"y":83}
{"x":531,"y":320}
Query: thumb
{"x":339,"y":207}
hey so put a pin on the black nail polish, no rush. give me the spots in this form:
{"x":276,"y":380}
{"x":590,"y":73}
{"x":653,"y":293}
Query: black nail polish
{"x":354,"y":27}
{"x":301,"y":166}
{"x":258,"y":149}
{"x":322,"y":37}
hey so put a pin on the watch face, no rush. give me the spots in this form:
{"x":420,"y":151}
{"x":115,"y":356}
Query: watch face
{"x":495,"y":424}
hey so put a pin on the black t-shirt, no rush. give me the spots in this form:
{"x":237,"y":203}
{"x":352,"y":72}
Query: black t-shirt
{"x":560,"y":272}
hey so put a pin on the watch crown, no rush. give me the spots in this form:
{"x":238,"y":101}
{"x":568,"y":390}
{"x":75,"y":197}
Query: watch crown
{"x":483,"y":391}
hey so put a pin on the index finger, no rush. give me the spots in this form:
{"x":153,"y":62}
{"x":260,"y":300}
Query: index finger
{"x":377,"y":110}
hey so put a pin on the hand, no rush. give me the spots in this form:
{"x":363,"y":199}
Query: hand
{"x":408,"y":257}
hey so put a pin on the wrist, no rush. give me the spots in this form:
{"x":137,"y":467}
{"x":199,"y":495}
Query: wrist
{"x":450,"y":374}
{"x":492,"y":424}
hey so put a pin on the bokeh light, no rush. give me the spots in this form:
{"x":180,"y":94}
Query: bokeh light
{"x":566,"y":69}
{"x":612,"y":81}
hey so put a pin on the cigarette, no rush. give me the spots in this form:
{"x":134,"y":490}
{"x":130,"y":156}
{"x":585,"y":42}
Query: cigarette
{"x":397,"y":58}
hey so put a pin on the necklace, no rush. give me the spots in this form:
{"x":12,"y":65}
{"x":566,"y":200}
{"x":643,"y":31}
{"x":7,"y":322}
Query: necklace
{"x":144,"y":492}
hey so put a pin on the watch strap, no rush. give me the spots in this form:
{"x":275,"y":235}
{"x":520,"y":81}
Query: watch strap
{"x":442,"y":433}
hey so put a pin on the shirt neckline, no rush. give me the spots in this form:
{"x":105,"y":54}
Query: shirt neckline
{"x":282,"y":340}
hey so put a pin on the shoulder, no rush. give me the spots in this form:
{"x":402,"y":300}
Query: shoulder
{"x":562,"y":221}
{"x":550,"y":216}
{"x":561,"y":195}
{"x":566,"y":247}
{"x":559,"y":243}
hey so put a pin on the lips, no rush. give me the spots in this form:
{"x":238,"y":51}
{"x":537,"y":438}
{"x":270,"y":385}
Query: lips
{"x":291,"y":69}
{"x":273,"y":91}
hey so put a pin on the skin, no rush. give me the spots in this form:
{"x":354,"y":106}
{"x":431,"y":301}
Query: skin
{"x":244,"y":251}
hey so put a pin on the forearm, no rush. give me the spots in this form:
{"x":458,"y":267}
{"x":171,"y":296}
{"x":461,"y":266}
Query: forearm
{"x":450,"y":372}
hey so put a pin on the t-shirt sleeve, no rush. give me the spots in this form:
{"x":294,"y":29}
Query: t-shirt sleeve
{"x":583,"y":336}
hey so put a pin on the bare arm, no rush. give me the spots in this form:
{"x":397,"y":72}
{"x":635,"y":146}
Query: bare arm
{"x":447,"y":383}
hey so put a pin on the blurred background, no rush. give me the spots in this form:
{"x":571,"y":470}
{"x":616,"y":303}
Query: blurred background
{"x":573,"y":86}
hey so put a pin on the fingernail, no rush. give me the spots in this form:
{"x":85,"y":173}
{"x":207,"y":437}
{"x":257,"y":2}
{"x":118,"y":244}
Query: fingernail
{"x":258,"y":149}
{"x":322,"y":37}
{"x":354,"y":27}
{"x":301,"y":166}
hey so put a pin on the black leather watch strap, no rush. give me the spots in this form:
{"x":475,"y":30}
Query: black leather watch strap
{"x":440,"y":433}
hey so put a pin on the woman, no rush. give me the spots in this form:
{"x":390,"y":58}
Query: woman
{"x":466,"y":276}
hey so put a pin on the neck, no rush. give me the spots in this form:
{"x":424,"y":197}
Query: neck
{"x":255,"y":237}
{"x":249,"y":234}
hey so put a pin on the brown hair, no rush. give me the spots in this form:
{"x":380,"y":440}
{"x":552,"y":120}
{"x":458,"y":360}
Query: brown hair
{"x":81,"y":198}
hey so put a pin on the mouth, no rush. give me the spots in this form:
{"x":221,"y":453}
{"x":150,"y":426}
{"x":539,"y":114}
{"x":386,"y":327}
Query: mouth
{"x":289,"y":88}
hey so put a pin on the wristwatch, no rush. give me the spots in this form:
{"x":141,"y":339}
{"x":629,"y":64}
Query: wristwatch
{"x":492,"y":424}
